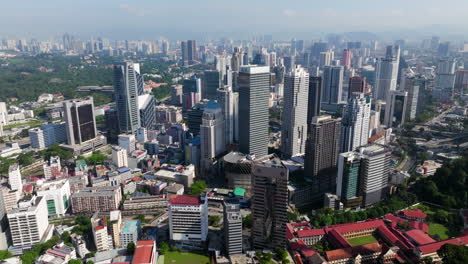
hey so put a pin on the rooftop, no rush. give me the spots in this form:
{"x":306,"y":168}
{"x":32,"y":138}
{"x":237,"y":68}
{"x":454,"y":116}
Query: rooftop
{"x":419,"y":237}
{"x":143,"y":252}
{"x":345,"y":253}
{"x":433,"y":247}
{"x":185,"y":200}
{"x":416,"y":213}
{"x":131,"y":226}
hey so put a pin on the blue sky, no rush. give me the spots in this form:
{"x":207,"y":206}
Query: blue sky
{"x":149,"y":19}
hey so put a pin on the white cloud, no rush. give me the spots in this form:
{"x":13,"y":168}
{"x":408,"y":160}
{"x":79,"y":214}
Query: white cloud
{"x":133,"y":10}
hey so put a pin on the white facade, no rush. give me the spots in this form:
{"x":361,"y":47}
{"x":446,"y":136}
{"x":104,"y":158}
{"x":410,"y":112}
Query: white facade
{"x":3,"y":114}
{"x":29,"y":222}
{"x":386,"y":73}
{"x":36,"y":136}
{"x":52,"y":168}
{"x":355,"y":123}
{"x":188,"y":221}
{"x":57,"y":196}
{"x":212,"y":133}
{"x":294,"y":129}
{"x":119,"y":156}
{"x":14,"y":178}
{"x":141,"y":135}
{"x":127,"y":141}
{"x":226,"y":101}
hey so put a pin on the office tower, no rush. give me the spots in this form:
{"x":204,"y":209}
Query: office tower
{"x":236,"y":61}
{"x":141,"y":135}
{"x":269,"y":202}
{"x":326,"y":58}
{"x":294,"y":127}
{"x":36,"y":136}
{"x":130,"y":232}
{"x":395,"y":109}
{"x":314,"y":98}
{"x":461,"y":79}
{"x":127,"y":142}
{"x":101,"y":238}
{"x":189,"y":52}
{"x":176,"y":94}
{"x":119,"y":156}
{"x":188,"y":211}
{"x":14,"y":177}
{"x":374,"y":173}
{"x":184,"y":53}
{"x":226,"y":102}
{"x":355,"y":122}
{"x":212,"y":135}
{"x":80,"y":120}
{"x":346,"y":59}
{"x":112,"y":125}
{"x":318,"y":48}
{"x":411,"y":86}
{"x":57,"y":196}
{"x":357,"y":84}
{"x":232,"y":226}
{"x":322,"y":149}
{"x":165,"y":47}
{"x":194,"y":117}
{"x":289,"y":63}
{"x":347,"y":184}
{"x":28,"y":223}
{"x":146,"y":106}
{"x":128,"y":85}
{"x":444,"y":89}
{"x":191,"y":92}
{"x":386,"y":73}
{"x":212,"y":80}
{"x":435,"y":41}
{"x":443,"y":49}
{"x":254,"y":90}
{"x":332,"y":84}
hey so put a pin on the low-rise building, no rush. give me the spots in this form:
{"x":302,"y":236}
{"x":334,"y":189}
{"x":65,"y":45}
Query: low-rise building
{"x":145,"y":252}
{"x":130,"y":232}
{"x":94,"y":199}
{"x":179,"y":174}
{"x":134,"y":202}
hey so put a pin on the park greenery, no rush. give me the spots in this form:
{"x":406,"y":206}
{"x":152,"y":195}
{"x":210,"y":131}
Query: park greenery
{"x":5,"y":254}
{"x":453,"y":254}
{"x":83,"y":225}
{"x":38,"y":249}
{"x":214,"y":220}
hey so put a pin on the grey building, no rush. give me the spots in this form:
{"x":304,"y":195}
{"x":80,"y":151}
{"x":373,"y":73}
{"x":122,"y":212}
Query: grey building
{"x":386,"y":73}
{"x":332,"y":84}
{"x":146,"y":106}
{"x":80,"y":120}
{"x":269,"y":202}
{"x":128,"y":85}
{"x":254,"y":90}
{"x":314,"y":98}
{"x":232,"y":226}
{"x":194,"y":117}
{"x":412,"y":88}
{"x":212,"y":81}
{"x":395,"y":109}
{"x":230,"y":111}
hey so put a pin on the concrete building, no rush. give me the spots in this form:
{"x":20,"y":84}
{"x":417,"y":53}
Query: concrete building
{"x":411,"y":86}
{"x":53,"y":169}
{"x":254,"y":87}
{"x":94,"y":199}
{"x":294,"y":127}
{"x":80,"y":120}
{"x":347,"y":184}
{"x":56,"y":195}
{"x":102,"y":240}
{"x":188,"y":219}
{"x":230,"y":110}
{"x":146,"y":106}
{"x":14,"y":178}
{"x":332,"y":85}
{"x":444,"y":89}
{"x":115,"y":225}
{"x":36,"y":136}
{"x":128,"y":85}
{"x":145,"y":252}
{"x":314,"y":98}
{"x":355,"y":122}
{"x":119,"y":156}
{"x":130,"y":232}
{"x":269,"y":202}
{"x":127,"y":142}
{"x":232,"y":227}
{"x":212,"y":135}
{"x":29,"y":222}
{"x":237,"y":171}
{"x":212,"y":81}
{"x":387,"y":73}
{"x":395,"y":109}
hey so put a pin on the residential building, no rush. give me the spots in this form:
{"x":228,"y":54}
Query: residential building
{"x":269,"y":202}
{"x":53,"y":169}
{"x":57,"y":196}
{"x":294,"y":126}
{"x":355,"y":122}
{"x":119,"y":156}
{"x":375,"y":168}
{"x":115,"y":225}
{"x":80,"y":245}
{"x":254,"y":87}
{"x":232,"y":227}
{"x":94,"y":199}
{"x":130,"y":232}
{"x":80,"y":120}
{"x":14,"y":177}
{"x":102,"y":240}
{"x":332,"y":85}
{"x":188,"y":219}
{"x":387,"y":73}
{"x":395,"y":109}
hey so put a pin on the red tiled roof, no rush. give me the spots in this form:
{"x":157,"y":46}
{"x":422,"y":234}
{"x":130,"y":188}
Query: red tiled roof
{"x":375,"y":137}
{"x":136,"y":179}
{"x":185,"y":200}
{"x":298,"y":244}
{"x":433,"y":247}
{"x":99,"y":227}
{"x":145,"y":243}
{"x":345,"y":253}
{"x":346,"y":228}
{"x":289,"y":232}
{"x":310,"y":232}
{"x":143,"y":252}
{"x":300,"y":224}
{"x":395,"y":219}
{"x":308,"y":252}
{"x":418,"y":225}
{"x":403,"y":240}
{"x":338,"y":238}
{"x":416,"y":213}
{"x":419,"y":237}
{"x":385,"y":232}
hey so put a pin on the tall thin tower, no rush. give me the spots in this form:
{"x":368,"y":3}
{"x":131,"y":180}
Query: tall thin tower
{"x":355,"y":122}
{"x":387,"y":73}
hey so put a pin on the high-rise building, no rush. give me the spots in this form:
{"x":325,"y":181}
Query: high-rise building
{"x":314,"y":98}
{"x":325,"y":58}
{"x":128,"y":85}
{"x":188,"y":219}
{"x":114,"y":226}
{"x":443,"y":49}
{"x":289,"y":63}
{"x":191,"y":92}
{"x":189,"y":52}
{"x":36,"y":136}
{"x":461,"y":79}
{"x":346,"y":58}
{"x":212,"y":135}
{"x":444,"y":89}
{"x":141,"y":135}
{"x":395,"y":109}
{"x":14,"y":177}
{"x":127,"y":142}
{"x":387,"y":73}
{"x":332,"y":84}
{"x":347,"y":184}
{"x":80,"y":120}
{"x":254,"y":89}
{"x":212,"y":81}
{"x":269,"y":202}
{"x":119,"y":156}
{"x":322,"y":149}
{"x":93,"y":199}
{"x":112,"y":125}
{"x":28,"y":223}
{"x":294,"y":128}
{"x":411,"y":86}
{"x":228,"y":108}
{"x":146,"y":106}
{"x":355,"y":122}
{"x":194,"y":119}
{"x":357,"y":84}
{"x":57,"y":196}
{"x":48,"y":135}
{"x":102,"y":240}
{"x":232,"y":226}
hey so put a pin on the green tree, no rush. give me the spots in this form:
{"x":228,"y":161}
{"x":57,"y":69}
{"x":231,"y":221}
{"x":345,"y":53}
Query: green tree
{"x":163,"y":248}
{"x":141,"y":218}
{"x":75,"y":261}
{"x":453,"y":254}
{"x":247,"y":221}
{"x":65,"y":236}
{"x":5,"y":254}
{"x":131,"y":248}
{"x":214,"y":220}
{"x":198,"y":187}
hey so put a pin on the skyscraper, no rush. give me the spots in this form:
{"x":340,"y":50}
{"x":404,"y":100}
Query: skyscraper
{"x":322,"y":151}
{"x":395,"y":109}
{"x":346,"y":58}
{"x":412,"y":85}
{"x":445,"y":80}
{"x":146,"y":106}
{"x":349,"y":173}
{"x":189,"y":52}
{"x":128,"y":85}
{"x":357,"y":84}
{"x":191,"y":92}
{"x":80,"y":120}
{"x":326,"y":58}
{"x":355,"y":122}
{"x":212,"y":134}
{"x":314,"y":98}
{"x":232,"y":226}
{"x":226,"y":101}
{"x":387,"y":73}
{"x":289,"y":63}
{"x":254,"y":89}
{"x":269,"y":202}
{"x":294,"y":127}
{"x":332,"y":84}
{"x":212,"y":81}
